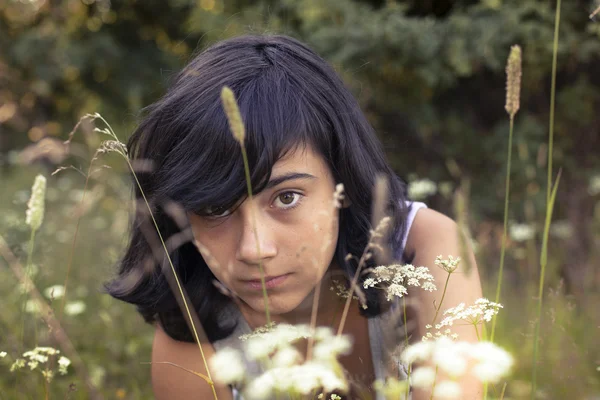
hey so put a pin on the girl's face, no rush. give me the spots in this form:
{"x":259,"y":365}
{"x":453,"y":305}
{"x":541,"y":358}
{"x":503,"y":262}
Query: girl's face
{"x":295,"y":236}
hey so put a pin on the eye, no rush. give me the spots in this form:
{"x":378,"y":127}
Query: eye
{"x":287,"y":200}
{"x":216,"y":212}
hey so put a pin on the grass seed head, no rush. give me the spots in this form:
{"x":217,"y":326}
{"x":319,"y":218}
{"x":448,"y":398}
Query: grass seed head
{"x":513,"y":81}
{"x":35,"y":206}
{"x":233,"y":115}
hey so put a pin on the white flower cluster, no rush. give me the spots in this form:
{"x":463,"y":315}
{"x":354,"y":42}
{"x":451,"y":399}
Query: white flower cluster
{"x":285,"y":369}
{"x":342,"y":291}
{"x":421,"y":189}
{"x":397,"y":277}
{"x":54,"y":292}
{"x":40,"y":355}
{"x":448,"y":265}
{"x":521,"y":232}
{"x":483,"y":360}
{"x":482,"y":310}
{"x":438,"y":334}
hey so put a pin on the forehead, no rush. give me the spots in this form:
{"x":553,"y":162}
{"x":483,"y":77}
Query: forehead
{"x":301,"y":159}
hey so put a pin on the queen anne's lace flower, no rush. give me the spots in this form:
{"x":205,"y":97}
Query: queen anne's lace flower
{"x":40,"y":357}
{"x":484,"y":360}
{"x":396,"y":278}
{"x":285,"y":370}
{"x":448,"y":265}
{"x":229,"y":365}
{"x":482,"y":310}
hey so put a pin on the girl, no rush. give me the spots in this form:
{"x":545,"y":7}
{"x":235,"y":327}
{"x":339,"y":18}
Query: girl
{"x":305,"y":133}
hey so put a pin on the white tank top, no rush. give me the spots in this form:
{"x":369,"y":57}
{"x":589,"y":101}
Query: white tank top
{"x":377,"y":327}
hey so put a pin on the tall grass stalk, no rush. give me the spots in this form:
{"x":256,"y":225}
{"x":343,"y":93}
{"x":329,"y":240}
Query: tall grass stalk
{"x":118,"y":147}
{"x":513,"y":88}
{"x":550,"y":197}
{"x":238,"y":131}
{"x":543,"y":264}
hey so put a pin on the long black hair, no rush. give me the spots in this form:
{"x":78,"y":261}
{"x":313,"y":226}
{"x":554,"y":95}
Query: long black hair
{"x":288,"y":97}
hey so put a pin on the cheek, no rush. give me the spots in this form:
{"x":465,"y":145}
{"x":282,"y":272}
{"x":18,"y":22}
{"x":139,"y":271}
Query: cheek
{"x":318,"y":241}
{"x":214,"y":254}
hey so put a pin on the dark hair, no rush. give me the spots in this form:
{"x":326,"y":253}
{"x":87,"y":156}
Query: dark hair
{"x":288,"y":97}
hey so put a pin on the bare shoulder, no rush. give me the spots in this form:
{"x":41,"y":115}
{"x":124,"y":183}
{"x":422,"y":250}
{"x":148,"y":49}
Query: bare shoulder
{"x":433,"y":234}
{"x":170,"y":359}
{"x":428,"y":227}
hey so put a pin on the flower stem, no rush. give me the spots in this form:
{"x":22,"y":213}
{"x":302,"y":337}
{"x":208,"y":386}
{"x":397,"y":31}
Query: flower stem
{"x":437,"y":309}
{"x":29,"y":271}
{"x":434,"y":382}
{"x":505,"y":230}
{"x":406,"y":345}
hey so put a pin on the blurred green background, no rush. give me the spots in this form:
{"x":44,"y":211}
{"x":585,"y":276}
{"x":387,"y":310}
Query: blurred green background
{"x":429,"y":75}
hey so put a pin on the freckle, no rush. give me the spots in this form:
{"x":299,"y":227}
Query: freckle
{"x":302,"y":249}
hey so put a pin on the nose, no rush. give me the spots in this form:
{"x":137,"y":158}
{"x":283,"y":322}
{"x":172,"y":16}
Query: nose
{"x":256,"y":243}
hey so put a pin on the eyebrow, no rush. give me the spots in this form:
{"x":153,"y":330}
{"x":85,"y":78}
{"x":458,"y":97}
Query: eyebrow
{"x":288,"y":177}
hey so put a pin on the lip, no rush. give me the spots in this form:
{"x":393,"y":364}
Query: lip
{"x":270,"y":282}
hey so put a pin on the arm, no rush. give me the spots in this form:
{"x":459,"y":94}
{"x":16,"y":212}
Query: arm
{"x":170,"y":382}
{"x":434,"y":234}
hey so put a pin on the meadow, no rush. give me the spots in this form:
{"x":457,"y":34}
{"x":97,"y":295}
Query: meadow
{"x":85,"y":222}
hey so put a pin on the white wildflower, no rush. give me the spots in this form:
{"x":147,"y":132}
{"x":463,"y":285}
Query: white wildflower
{"x":447,"y":390}
{"x":331,"y":349}
{"x":228,"y":366}
{"x":341,"y":290}
{"x":493,"y":362}
{"x":448,"y":265}
{"x":396,"y":278}
{"x":286,"y":357}
{"x":450,"y":356}
{"x":48,"y":375}
{"x":286,"y":371}
{"x":75,"y":307}
{"x":54,"y":292}
{"x":420,"y":351}
{"x":421,"y":189}
{"x":423,"y":377}
{"x":521,"y":232}
{"x":261,"y":388}
{"x":35,"y":207}
{"x":482,"y":310}
{"x":2,"y":354}
{"x":489,"y":362}
{"x":63,"y":364}
{"x":18,"y":364}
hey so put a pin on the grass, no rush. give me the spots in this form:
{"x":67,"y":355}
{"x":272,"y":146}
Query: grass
{"x":552,"y":337}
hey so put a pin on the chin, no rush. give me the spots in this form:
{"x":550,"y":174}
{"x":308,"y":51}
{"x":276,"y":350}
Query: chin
{"x":279,"y":304}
